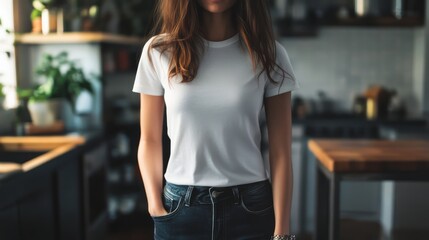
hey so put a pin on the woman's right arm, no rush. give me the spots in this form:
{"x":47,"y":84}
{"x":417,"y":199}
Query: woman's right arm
{"x":150,"y":151}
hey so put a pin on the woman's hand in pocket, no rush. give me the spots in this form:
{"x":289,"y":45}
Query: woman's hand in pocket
{"x":158,"y":212}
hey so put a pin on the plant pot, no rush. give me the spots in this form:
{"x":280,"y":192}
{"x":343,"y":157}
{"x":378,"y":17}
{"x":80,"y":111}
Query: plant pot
{"x":63,"y":111}
{"x":36,"y":25}
{"x":45,"y":113}
{"x":41,"y":113}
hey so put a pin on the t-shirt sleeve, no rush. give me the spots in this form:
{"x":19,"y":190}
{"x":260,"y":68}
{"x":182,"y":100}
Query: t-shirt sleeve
{"x":146,"y":79}
{"x":285,"y":83}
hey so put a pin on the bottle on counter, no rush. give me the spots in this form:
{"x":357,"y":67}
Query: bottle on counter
{"x":371,"y":108}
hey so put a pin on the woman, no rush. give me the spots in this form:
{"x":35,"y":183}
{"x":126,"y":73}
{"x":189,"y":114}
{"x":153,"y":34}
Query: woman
{"x":208,"y":61}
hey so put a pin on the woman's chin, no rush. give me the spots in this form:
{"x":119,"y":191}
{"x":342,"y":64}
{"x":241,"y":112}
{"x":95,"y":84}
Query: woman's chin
{"x":216,"y":6}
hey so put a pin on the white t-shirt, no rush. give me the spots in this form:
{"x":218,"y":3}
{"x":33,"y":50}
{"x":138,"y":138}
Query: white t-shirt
{"x":216,"y":123}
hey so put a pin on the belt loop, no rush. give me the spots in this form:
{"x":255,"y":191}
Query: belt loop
{"x":188,"y":195}
{"x":236,"y":193}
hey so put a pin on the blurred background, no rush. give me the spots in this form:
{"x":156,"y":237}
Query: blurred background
{"x":67,"y":69}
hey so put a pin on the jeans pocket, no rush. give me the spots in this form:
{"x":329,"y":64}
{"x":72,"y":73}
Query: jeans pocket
{"x":258,"y":200}
{"x":172,"y":204}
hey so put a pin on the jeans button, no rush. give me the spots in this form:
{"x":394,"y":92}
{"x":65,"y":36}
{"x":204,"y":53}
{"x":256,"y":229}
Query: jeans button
{"x":216,"y":194}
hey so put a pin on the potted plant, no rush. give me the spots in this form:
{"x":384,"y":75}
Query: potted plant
{"x":36,"y":21}
{"x":55,"y":98}
{"x":36,"y":14}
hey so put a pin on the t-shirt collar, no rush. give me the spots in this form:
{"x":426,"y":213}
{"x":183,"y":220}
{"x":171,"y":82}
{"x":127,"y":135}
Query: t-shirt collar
{"x":223,"y":43}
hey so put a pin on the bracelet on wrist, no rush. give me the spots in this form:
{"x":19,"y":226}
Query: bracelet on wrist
{"x":283,"y":237}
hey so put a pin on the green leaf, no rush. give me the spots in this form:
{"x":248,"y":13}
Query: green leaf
{"x":35,"y":14}
{"x":63,"y":78}
{"x":38,"y":5}
{"x":47,"y":2}
{"x":1,"y":90}
{"x":24,"y":93}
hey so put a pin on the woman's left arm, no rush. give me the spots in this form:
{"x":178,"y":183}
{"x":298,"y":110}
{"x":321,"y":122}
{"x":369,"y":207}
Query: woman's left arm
{"x":279,"y":122}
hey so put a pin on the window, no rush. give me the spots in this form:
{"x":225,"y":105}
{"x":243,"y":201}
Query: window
{"x":7,"y":55}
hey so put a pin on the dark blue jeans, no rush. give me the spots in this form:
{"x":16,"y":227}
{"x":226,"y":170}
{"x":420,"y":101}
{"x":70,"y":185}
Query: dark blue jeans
{"x":222,"y":213}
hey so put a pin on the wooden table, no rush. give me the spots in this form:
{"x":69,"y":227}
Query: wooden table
{"x":361,"y":160}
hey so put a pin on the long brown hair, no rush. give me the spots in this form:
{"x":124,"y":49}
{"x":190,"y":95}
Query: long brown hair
{"x":180,"y":20}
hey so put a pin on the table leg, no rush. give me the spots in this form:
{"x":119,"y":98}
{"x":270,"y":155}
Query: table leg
{"x":322,"y":206}
{"x":334,"y":208}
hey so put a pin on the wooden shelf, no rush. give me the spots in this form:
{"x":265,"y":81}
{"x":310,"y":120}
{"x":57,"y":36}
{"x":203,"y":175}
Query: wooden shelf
{"x":376,"y":22}
{"x":77,"y":37}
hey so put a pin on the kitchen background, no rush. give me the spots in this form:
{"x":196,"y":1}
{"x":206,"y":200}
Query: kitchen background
{"x":343,"y":52}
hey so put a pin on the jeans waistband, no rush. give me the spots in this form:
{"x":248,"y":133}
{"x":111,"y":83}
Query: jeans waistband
{"x":208,"y":195}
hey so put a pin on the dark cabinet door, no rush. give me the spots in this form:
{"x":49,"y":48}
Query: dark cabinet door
{"x":95,"y":192}
{"x":69,"y":200}
{"x":9,"y":224}
{"x":36,"y":214}
{"x":45,"y":203}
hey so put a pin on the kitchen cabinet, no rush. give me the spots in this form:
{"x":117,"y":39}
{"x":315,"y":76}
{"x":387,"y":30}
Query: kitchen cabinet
{"x":94,"y":191}
{"x":303,"y":18}
{"x":22,"y":219}
{"x":113,"y":58}
{"x":127,"y":199}
{"x":10,"y":222}
{"x":70,"y":200}
{"x":37,"y":204}
{"x":32,"y":207}
{"x":382,"y":13}
{"x":126,"y":193}
{"x":63,"y":198}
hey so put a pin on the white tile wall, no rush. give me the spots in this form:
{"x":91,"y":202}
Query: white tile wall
{"x":343,"y":62}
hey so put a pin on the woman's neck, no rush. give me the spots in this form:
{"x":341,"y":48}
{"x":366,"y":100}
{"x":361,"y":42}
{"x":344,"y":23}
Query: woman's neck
{"x":217,"y":26}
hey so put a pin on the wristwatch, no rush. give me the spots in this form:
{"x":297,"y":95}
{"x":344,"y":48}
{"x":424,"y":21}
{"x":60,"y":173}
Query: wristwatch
{"x":283,"y":237}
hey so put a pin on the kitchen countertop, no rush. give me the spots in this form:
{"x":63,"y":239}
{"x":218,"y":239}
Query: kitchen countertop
{"x":50,"y":147}
{"x":345,"y":155}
